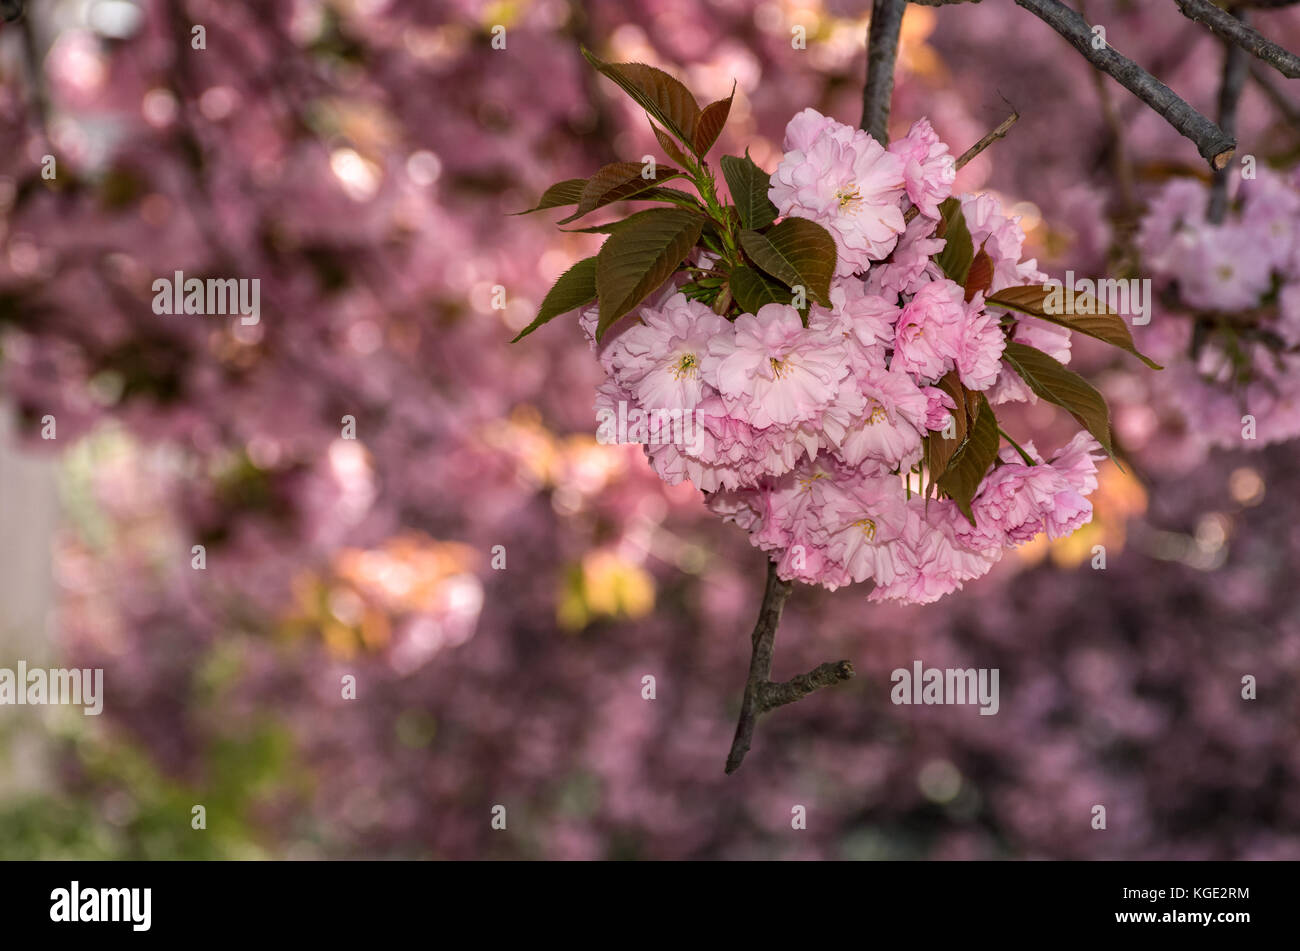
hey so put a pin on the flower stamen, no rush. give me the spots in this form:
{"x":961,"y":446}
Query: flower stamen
{"x":848,"y":197}
{"x":805,"y":482}
{"x":688,"y":366}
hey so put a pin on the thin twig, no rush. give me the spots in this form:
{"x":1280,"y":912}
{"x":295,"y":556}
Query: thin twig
{"x":40,"y":100}
{"x":1233,"y":28}
{"x":761,"y":694}
{"x":1214,"y":145}
{"x":1264,"y":79}
{"x":771,"y":696}
{"x":966,"y":157}
{"x":1120,"y":165}
{"x":882,"y":51}
{"x":1235,"y":69}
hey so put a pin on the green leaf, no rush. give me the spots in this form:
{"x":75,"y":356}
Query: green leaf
{"x":638,"y":258}
{"x":1033,"y":299}
{"x":971,"y":462}
{"x":671,"y":148}
{"x":749,"y":185}
{"x":611,"y":227}
{"x":938,"y":450}
{"x":575,"y":288}
{"x":959,"y":252}
{"x":674,"y":195}
{"x":562,"y":193}
{"x":659,"y":94}
{"x":671,"y":195}
{"x":712,"y":119}
{"x":797,"y":252}
{"x":617,"y":182}
{"x":1051,"y":381}
{"x":980,"y":276}
{"x":752,"y":289}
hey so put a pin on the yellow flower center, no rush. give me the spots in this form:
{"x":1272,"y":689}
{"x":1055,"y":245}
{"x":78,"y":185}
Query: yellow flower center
{"x":688,"y":366}
{"x":848,"y":197}
{"x":779,"y":367}
{"x":1225,"y":272}
{"x":805,"y":482}
{"x":878,"y":414}
{"x":868,"y":527}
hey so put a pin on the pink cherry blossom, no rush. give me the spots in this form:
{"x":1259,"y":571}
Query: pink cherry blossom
{"x":847,"y":182}
{"x":774,"y":370}
{"x":1017,"y":501}
{"x":1249,"y":262}
{"x":869,"y":317}
{"x":1223,"y":268}
{"x":938,"y":409}
{"x":929,"y":330}
{"x":660,"y":359}
{"x":911,"y":264}
{"x":863,"y":520}
{"x":932,"y":559}
{"x":806,"y":436}
{"x":889,"y":433}
{"x":1179,"y":204}
{"x":1002,"y":239}
{"x":979,"y":346}
{"x":928,"y":167}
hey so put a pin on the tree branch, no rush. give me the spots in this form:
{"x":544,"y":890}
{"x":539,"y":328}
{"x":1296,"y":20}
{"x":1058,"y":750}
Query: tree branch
{"x":1236,"y":67}
{"x":1211,"y":141}
{"x":882,"y":51}
{"x":1234,"y":29}
{"x":760,"y":664}
{"x":761,"y":695}
{"x":1260,"y":4}
{"x":771,"y":696}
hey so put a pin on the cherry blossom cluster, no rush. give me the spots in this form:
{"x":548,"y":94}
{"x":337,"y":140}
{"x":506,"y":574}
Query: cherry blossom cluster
{"x":811,"y":435}
{"x":1233,"y":290}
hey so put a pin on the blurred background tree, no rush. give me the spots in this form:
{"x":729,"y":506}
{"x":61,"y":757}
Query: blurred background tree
{"x":359,"y":157}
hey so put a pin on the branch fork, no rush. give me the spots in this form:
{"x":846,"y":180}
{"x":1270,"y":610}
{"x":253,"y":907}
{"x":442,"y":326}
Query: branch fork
{"x":1215,"y":142}
{"x":763,"y":694}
